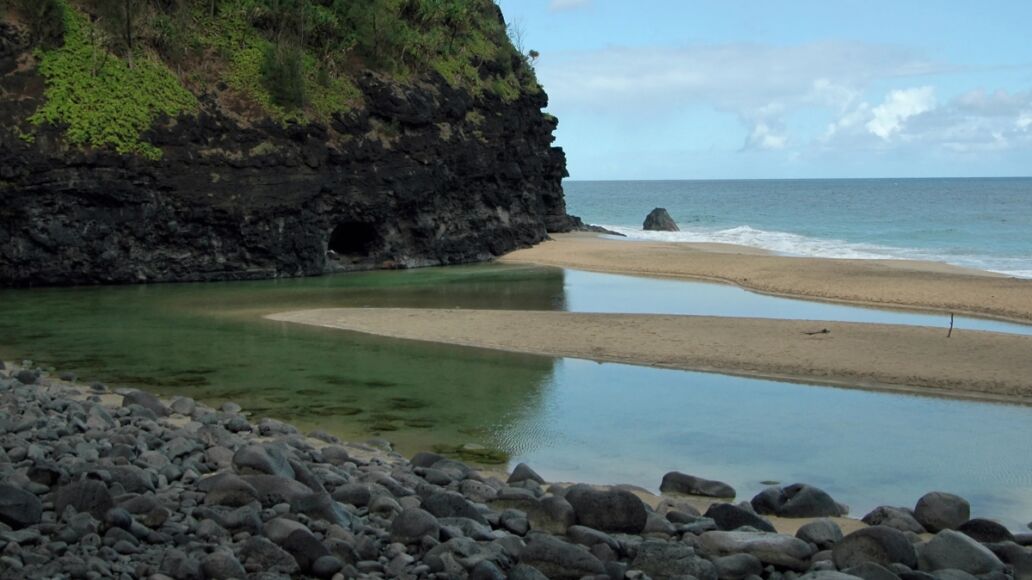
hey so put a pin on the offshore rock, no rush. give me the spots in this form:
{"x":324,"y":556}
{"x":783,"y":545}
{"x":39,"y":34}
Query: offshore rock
{"x":659,"y":220}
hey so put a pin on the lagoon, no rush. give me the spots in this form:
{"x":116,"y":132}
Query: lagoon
{"x":570,"y":419}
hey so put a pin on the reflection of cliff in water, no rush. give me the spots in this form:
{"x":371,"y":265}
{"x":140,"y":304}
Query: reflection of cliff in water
{"x":208,"y":341}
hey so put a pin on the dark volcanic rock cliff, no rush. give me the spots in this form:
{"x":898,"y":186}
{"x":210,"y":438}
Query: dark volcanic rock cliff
{"x":422,"y":175}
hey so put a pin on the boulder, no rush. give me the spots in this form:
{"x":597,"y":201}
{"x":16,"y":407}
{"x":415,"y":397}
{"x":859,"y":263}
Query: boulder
{"x":222,"y":565}
{"x":356,"y":494}
{"x":952,"y":549}
{"x":425,"y":459}
{"x":899,"y":518}
{"x":147,"y":401}
{"x":871,"y":571}
{"x":659,"y":220}
{"x":261,"y":555}
{"x":320,"y":506}
{"x":262,"y":459}
{"x":939,"y":510}
{"x":305,"y":548}
{"x":796,"y":501}
{"x":272,"y":489}
{"x":552,"y":514}
{"x":558,"y":559}
{"x":986,"y":531}
{"x":610,"y":510}
{"x":230,"y":490}
{"x":822,"y":533}
{"x":523,"y":472}
{"x":671,"y":559}
{"x":279,"y":529}
{"x":879,"y":544}
{"x":19,"y":508}
{"x":86,"y":496}
{"x":738,"y":566}
{"x":414,"y":524}
{"x":452,"y":505}
{"x":770,"y":548}
{"x":731,"y":517}
{"x":589,"y":537}
{"x":677,"y":482}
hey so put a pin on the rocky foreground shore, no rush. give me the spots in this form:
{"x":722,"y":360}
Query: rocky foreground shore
{"x":95,"y":484}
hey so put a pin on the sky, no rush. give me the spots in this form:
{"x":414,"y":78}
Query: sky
{"x":753,"y":89}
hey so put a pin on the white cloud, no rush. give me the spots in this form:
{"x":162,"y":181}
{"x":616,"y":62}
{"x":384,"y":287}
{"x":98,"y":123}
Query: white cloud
{"x":888,"y":117}
{"x":1024,"y":121}
{"x":971,"y":122}
{"x":760,"y":84}
{"x":765,"y":137}
{"x":782,"y":95}
{"x":730,"y":77}
{"x":561,"y":5}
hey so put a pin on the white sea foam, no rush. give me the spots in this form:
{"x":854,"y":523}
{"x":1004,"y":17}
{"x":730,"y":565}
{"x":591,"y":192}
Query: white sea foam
{"x":790,"y":244}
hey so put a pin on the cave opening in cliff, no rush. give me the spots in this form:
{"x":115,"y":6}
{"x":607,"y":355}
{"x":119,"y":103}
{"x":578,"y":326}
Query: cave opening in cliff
{"x":353,"y":239}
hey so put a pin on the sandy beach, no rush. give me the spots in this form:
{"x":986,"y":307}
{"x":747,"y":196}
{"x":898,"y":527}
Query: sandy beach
{"x":970,"y":364}
{"x":893,"y":283}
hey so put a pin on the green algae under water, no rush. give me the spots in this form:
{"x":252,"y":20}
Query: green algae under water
{"x":571,"y":419}
{"x":208,"y":341}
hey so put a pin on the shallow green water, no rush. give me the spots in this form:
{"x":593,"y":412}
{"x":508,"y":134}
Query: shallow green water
{"x":570,"y":419}
{"x":208,"y":341}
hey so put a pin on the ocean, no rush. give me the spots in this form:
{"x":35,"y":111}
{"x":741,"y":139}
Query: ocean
{"x":983,"y":223}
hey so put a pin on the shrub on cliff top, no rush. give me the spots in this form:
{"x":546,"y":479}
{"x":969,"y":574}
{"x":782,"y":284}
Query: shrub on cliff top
{"x":99,"y":98}
{"x":282,"y":76}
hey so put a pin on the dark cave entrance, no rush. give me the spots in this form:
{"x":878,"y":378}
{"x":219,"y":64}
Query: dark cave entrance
{"x":354,"y":240}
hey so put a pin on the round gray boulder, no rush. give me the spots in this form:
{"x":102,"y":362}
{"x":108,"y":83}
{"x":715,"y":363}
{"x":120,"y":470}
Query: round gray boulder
{"x":610,"y":510}
{"x":939,"y":510}
{"x":677,"y":482}
{"x":796,"y":501}
{"x":414,"y":524}
{"x":822,"y":533}
{"x":19,"y":508}
{"x":899,"y":518}
{"x":952,"y":549}
{"x":879,"y":544}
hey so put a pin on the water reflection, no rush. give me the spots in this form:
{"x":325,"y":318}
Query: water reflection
{"x":617,"y":423}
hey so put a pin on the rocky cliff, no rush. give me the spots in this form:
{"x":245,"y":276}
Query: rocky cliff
{"x":421,"y":174}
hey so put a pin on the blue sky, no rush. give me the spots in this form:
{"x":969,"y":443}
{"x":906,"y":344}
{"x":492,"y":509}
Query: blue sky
{"x":678,"y":89}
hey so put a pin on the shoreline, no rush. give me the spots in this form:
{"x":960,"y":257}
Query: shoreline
{"x":972,"y":365}
{"x":895,"y":284}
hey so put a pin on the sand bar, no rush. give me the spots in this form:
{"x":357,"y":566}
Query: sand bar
{"x":970,"y":364}
{"x":896,"y":283}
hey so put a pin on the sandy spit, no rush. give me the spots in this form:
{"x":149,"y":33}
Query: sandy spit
{"x":921,"y":360}
{"x":895,"y":283}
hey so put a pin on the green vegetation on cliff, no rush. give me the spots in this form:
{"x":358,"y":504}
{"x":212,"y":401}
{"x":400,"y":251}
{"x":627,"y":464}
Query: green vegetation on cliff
{"x":101,"y":100}
{"x":112,"y":67}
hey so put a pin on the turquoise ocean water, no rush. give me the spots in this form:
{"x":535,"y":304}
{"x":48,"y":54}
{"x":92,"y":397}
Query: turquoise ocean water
{"x":978,"y":223}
